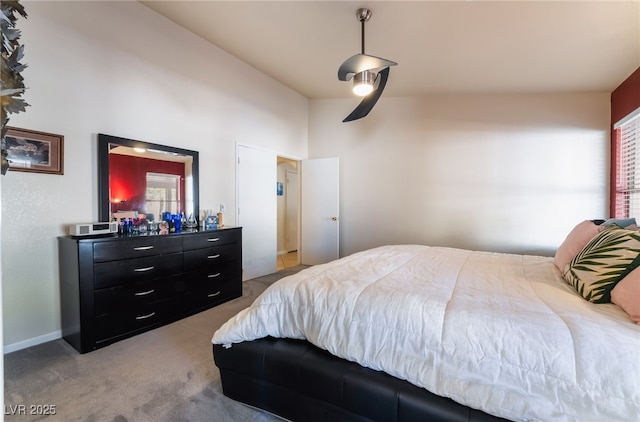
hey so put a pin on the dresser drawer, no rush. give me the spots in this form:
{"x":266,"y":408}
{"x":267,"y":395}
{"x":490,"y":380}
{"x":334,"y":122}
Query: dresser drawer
{"x":136,"y":247}
{"x":209,"y":294}
{"x":133,"y":296}
{"x":128,"y":271}
{"x":213,"y":238}
{"x":125,"y":321}
{"x":210,"y":258}
{"x":205,"y":277}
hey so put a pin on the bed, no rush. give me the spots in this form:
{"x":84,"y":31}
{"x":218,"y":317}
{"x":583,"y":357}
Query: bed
{"x":413,"y":332}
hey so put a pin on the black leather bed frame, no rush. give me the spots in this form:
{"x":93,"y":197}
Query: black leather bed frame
{"x":300,"y":382}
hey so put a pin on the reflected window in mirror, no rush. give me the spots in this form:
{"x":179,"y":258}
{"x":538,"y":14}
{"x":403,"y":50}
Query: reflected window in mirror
{"x":164,"y":193}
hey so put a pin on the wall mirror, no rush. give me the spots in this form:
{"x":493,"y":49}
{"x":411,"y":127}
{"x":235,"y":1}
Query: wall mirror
{"x":145,"y":178}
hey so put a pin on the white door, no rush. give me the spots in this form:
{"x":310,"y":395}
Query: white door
{"x":257,"y":210}
{"x":292,"y":205}
{"x":320,"y":192}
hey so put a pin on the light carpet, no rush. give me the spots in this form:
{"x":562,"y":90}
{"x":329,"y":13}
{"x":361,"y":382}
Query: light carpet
{"x":166,"y":374}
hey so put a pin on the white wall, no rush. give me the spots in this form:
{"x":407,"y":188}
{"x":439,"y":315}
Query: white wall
{"x":500,"y":173}
{"x":511,"y":173}
{"x":119,"y":68}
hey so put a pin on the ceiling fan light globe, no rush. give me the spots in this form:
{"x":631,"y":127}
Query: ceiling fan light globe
{"x":362,"y":90}
{"x":363,"y":83}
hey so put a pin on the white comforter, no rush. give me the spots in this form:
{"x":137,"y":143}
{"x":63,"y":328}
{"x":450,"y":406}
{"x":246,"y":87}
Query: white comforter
{"x":497,"y":332}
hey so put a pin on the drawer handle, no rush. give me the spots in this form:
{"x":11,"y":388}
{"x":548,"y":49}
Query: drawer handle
{"x":141,"y":270}
{"x":214,"y":294}
{"x":143,"y":248}
{"x":214,"y":275}
{"x":213,"y":256}
{"x":148,"y":292}
{"x":215,"y":239}
{"x":146,"y":316}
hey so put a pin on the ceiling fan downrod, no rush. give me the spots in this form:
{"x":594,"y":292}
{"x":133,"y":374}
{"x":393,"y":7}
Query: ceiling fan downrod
{"x":363,"y":16}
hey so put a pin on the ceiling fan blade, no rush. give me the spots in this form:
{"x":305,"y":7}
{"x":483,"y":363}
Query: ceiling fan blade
{"x":359,"y":63}
{"x":370,"y":100}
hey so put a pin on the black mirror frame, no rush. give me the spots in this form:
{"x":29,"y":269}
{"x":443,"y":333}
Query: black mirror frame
{"x":103,"y":170}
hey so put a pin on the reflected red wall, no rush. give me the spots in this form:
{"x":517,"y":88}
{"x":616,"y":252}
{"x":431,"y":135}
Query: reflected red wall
{"x":128,"y":180}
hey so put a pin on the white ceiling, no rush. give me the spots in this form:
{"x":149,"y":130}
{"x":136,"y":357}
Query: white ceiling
{"x":452,"y":46}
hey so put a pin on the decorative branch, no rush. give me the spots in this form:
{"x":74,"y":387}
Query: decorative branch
{"x":11,"y":81}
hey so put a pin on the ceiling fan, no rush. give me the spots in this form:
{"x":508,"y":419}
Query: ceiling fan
{"x":369,"y":73}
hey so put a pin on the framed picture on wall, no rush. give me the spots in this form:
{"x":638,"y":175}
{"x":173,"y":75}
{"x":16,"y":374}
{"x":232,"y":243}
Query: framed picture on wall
{"x":33,"y":151}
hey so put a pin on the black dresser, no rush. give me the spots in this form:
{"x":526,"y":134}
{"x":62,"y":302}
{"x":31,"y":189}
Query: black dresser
{"x":115,"y":287}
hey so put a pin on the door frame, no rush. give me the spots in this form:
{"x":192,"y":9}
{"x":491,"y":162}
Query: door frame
{"x":297,"y":206}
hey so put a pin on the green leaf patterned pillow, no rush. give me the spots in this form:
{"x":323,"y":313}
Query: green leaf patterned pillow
{"x":605,"y":260}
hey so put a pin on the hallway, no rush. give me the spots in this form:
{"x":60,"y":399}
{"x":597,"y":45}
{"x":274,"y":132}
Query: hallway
{"x":287,"y":260}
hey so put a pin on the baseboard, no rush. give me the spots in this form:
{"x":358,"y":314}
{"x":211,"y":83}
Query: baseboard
{"x":34,"y":341}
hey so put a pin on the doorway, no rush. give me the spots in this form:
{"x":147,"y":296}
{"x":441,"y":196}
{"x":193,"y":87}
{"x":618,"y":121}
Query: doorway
{"x":316,"y":223}
{"x":288,"y":201}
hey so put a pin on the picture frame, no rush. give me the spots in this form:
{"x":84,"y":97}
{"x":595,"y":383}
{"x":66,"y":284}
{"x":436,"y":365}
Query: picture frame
{"x":33,"y":151}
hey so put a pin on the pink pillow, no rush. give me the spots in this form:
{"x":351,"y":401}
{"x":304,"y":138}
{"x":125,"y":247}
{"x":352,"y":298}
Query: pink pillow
{"x":576,"y":240}
{"x":626,"y":295}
